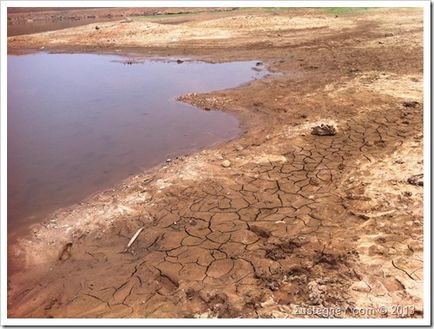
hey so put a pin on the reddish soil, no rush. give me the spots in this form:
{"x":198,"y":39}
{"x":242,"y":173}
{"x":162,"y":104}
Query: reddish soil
{"x":276,"y":220}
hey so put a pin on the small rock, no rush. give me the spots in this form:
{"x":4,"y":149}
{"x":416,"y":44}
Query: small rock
{"x":268,"y":137}
{"x":168,"y":160}
{"x":179,"y":61}
{"x":239,"y":148}
{"x":323,"y":130}
{"x":226,"y":163}
{"x":97,"y":27}
{"x":360,"y":286}
{"x":416,"y":180}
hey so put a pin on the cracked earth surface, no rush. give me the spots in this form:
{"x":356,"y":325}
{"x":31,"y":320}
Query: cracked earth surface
{"x":295,"y":220}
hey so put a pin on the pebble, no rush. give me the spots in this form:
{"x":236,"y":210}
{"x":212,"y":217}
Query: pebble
{"x":226,"y":163}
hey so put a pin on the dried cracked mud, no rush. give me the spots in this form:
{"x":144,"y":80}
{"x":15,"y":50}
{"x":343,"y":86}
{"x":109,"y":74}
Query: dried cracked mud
{"x":275,"y":220}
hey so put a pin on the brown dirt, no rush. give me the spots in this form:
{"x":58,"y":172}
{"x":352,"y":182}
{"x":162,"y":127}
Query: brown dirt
{"x":293,"y":220}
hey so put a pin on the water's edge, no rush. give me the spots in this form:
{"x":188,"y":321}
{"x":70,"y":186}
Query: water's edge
{"x":126,"y":59}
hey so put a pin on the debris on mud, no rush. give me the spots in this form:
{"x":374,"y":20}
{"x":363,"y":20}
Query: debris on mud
{"x":133,"y":239}
{"x":280,"y":251}
{"x":275,"y":254}
{"x":315,"y":294}
{"x":259,"y":231}
{"x":410,"y":103}
{"x":323,"y":130}
{"x":328,"y":259}
{"x":65,"y":253}
{"x":416,"y":180}
{"x":360,"y":286}
{"x":219,"y":306}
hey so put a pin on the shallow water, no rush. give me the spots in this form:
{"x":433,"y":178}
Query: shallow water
{"x":78,"y":123}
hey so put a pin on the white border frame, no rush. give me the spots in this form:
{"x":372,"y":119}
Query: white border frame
{"x":425,"y":321}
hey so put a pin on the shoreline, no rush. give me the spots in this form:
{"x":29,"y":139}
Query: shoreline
{"x":242,"y":124}
{"x":27,"y":233}
{"x":294,"y":219}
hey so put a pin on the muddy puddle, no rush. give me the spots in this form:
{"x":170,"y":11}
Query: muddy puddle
{"x":79,"y":123}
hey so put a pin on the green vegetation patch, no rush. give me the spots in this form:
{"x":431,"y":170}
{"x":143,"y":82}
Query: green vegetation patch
{"x":181,"y":14}
{"x":345,"y":10}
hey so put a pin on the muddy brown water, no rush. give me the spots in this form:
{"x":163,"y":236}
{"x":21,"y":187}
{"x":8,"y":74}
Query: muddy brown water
{"x":79,"y":123}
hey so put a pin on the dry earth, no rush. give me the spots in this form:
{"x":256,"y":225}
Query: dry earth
{"x":291,"y":219}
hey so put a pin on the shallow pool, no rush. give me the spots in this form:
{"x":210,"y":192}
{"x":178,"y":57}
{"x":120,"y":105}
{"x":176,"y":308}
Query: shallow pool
{"x":78,"y":123}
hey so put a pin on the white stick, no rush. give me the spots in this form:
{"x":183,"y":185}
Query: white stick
{"x":134,"y":238}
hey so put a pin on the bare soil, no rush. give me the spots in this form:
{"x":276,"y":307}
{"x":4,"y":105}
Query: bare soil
{"x":275,"y":220}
